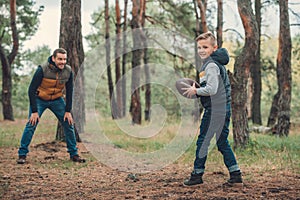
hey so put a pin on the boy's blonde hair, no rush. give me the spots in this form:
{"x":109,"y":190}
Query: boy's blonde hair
{"x":207,"y":35}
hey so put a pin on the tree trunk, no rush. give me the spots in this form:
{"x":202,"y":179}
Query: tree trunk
{"x":124,"y":56}
{"x":7,"y":108}
{"x":249,"y":96}
{"x":241,"y":75}
{"x":256,"y":72}
{"x":198,"y":109}
{"x":135,"y":106}
{"x":72,"y":42}
{"x":146,"y":67}
{"x":284,"y":74}
{"x":272,"y":120}
{"x":117,"y":61}
{"x":109,"y":77}
{"x":220,"y":24}
{"x":202,"y":5}
{"x":6,"y":62}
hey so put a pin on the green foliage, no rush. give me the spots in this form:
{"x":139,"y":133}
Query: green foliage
{"x":295,"y":107}
{"x":27,"y":21}
{"x":37,"y":56}
{"x":98,"y":21}
{"x":20,"y":99}
{"x":22,"y":76}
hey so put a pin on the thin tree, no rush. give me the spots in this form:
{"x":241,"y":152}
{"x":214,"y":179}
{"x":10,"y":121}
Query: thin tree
{"x":281,"y":105}
{"x":7,"y":61}
{"x":146,"y":66}
{"x":124,"y":56}
{"x":135,"y":104}
{"x":108,"y":64}
{"x":198,"y":30}
{"x":118,"y":61}
{"x":71,"y":39}
{"x":220,"y":23}
{"x":241,"y":74}
{"x":256,"y":72}
{"x":202,"y":5}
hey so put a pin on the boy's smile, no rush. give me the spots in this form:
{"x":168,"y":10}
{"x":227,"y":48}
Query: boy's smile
{"x":205,"y":48}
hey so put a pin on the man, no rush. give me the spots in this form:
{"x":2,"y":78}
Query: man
{"x":46,"y":91}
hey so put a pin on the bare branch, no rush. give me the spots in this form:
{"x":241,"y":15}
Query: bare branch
{"x":231,"y":29}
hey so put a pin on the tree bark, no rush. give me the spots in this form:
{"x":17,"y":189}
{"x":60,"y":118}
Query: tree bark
{"x":124,"y":56}
{"x":272,"y":120}
{"x":241,"y":75}
{"x":284,"y":71}
{"x":6,"y":61}
{"x":71,"y":39}
{"x":146,"y":67}
{"x":256,"y":73}
{"x":135,"y":106}
{"x":220,"y":24}
{"x":118,"y":61}
{"x":202,"y":5}
{"x":108,"y":64}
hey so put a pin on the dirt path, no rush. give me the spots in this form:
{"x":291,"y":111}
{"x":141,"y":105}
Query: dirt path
{"x":50,"y":175}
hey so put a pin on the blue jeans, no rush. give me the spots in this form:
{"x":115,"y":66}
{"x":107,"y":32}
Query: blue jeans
{"x":214,"y":122}
{"x":57,"y":106}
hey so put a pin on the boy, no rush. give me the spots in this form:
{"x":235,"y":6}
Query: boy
{"x":214,"y":93}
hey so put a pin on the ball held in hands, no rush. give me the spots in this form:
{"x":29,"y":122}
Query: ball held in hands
{"x":186,"y":83}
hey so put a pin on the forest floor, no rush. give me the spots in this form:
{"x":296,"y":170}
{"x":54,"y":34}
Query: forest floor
{"x":49,"y":174}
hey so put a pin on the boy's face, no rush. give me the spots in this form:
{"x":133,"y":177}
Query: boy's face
{"x":205,"y":48}
{"x":60,"y":60}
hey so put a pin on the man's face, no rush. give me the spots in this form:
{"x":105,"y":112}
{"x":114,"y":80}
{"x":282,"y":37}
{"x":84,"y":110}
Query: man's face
{"x":60,"y":60}
{"x":205,"y":48}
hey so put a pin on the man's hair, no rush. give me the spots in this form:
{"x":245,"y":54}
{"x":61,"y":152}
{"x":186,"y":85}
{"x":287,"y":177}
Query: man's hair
{"x":207,"y":35}
{"x":59,"y":50}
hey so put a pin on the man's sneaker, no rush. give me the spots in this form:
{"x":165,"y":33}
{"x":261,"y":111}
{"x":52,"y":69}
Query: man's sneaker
{"x":195,"y":179}
{"x":21,"y":160}
{"x":235,"y":179}
{"x":77,"y":158}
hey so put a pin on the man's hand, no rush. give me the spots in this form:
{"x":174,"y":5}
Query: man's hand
{"x":190,"y":90}
{"x":68,"y":116}
{"x":34,"y":118}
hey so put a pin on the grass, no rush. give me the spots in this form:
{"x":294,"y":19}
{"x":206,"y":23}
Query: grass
{"x":264,"y":152}
{"x":11,"y":132}
{"x":269,"y":152}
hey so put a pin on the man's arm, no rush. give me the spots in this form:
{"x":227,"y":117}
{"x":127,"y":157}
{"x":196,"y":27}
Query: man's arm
{"x":69,"y":93}
{"x":35,"y":83}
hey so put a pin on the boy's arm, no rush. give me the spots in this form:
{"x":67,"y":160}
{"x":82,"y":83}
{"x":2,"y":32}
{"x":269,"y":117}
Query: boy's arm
{"x":212,"y":72}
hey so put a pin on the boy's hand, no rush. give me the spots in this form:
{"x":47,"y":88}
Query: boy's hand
{"x":187,"y":87}
{"x":190,"y":90}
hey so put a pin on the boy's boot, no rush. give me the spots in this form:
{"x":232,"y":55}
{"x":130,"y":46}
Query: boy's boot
{"x":195,"y":179}
{"x":235,"y":179}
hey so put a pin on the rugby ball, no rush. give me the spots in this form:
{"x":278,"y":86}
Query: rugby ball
{"x":185,"y":83}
